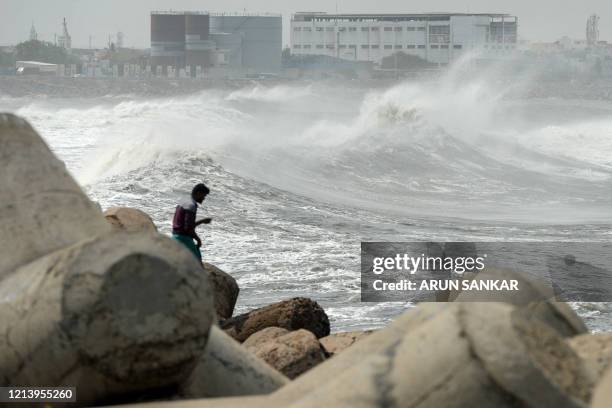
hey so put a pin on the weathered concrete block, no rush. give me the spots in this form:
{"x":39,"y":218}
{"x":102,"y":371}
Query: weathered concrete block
{"x":226,"y":369}
{"x":292,"y":314}
{"x":535,"y":299}
{"x":602,"y":397}
{"x":117,"y":314}
{"x":469,"y":355}
{"x":129,"y":220}
{"x":42,"y":209}
{"x":596,"y":349}
{"x":345,"y":361}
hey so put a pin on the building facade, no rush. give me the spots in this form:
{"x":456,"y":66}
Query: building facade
{"x":252,"y":42}
{"x":196,"y":41}
{"x":436,"y":38}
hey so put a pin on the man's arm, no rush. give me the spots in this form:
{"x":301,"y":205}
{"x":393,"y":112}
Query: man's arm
{"x":203,"y":221}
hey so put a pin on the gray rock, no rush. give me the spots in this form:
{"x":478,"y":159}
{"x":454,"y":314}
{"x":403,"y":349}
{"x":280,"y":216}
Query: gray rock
{"x":226,"y":291}
{"x":292,"y":314}
{"x":291,"y":353}
{"x":337,"y":342}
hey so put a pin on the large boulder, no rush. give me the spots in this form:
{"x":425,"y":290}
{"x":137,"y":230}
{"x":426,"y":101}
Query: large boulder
{"x":596,"y":349}
{"x":292,"y":314}
{"x":468,"y":355}
{"x":337,"y":342}
{"x":226,"y":291}
{"x":42,"y":209}
{"x":291,"y":353}
{"x":129,"y":220}
{"x":266,"y":335}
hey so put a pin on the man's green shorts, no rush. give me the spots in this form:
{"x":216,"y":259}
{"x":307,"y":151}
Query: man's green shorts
{"x":189,"y":243}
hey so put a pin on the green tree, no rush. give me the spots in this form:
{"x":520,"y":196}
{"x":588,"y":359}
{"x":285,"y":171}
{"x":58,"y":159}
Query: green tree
{"x":43,"y":51}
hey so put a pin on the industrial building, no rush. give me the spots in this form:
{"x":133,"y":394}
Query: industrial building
{"x":437,"y":38}
{"x":198,"y":42}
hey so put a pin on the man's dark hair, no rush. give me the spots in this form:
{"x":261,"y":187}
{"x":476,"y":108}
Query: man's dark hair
{"x":200,"y":188}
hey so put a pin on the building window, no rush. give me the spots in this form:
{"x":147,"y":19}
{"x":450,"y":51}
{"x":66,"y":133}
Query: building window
{"x":352,"y":46}
{"x":457,"y":46}
{"x":329,"y":29}
{"x":307,"y":29}
{"x":364,"y":46}
{"x":421,"y":47}
{"x":365,"y":29}
{"x":398,"y":47}
{"x":410,"y":29}
{"x":439,"y":34}
{"x":374,"y":28}
{"x":444,"y":46}
{"x":388,"y":47}
{"x":297,"y":28}
{"x":330,"y":46}
{"x":398,"y":28}
{"x":375,"y":46}
{"x":341,"y":28}
{"x":297,"y":46}
{"x":388,"y":28}
{"x":342,"y":46}
{"x":319,"y":46}
{"x":352,"y":28}
{"x":411,"y":46}
{"x":307,"y":46}
{"x":434,"y":46}
{"x":420,"y":28}
{"x":319,"y":28}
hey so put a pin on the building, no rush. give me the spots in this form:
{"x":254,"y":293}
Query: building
{"x":198,"y":41}
{"x":436,"y":38}
{"x":252,"y":42}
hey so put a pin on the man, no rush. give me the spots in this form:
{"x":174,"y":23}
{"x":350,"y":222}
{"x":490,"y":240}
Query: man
{"x":184,"y":223}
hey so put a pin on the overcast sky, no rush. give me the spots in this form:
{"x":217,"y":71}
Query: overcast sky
{"x":540,"y":20}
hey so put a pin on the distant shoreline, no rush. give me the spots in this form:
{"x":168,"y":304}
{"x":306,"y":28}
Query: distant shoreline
{"x":83,"y":87}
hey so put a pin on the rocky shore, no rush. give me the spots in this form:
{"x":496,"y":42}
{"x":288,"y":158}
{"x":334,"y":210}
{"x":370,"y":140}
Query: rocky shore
{"x":128,"y":316}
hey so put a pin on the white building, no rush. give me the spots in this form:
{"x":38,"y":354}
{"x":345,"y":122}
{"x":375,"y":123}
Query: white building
{"x":437,"y":38}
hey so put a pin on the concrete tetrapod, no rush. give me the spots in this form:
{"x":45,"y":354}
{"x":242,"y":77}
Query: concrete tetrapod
{"x":534,"y":299}
{"x":602,"y":397}
{"x":345,"y":361}
{"x":470,"y":355}
{"x":118,"y":314}
{"x":42,"y":209}
{"x":226,"y":369}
